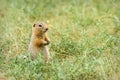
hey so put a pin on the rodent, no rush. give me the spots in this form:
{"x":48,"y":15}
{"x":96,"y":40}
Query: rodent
{"x":39,"y":41}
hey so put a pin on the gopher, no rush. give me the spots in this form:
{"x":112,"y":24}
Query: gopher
{"x":39,"y":41}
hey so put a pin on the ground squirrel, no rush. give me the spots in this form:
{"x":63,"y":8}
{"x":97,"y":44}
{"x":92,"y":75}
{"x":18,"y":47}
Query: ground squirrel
{"x":39,"y":41}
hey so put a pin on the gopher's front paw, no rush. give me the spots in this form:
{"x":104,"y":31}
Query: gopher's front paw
{"x":46,"y":43}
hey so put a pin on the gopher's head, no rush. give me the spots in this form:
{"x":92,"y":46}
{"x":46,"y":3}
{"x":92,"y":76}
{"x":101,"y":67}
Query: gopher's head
{"x":39,"y":28}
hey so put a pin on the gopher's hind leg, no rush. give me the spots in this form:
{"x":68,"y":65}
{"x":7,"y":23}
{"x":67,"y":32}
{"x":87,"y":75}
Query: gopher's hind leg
{"x":46,"y":53}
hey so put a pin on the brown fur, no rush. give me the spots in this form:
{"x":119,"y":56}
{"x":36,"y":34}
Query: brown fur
{"x":39,"y":41}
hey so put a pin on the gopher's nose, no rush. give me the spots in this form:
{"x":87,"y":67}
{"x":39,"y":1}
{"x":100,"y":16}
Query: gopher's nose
{"x":46,"y":29}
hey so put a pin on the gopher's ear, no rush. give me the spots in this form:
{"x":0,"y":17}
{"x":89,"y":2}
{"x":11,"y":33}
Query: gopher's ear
{"x":33,"y":25}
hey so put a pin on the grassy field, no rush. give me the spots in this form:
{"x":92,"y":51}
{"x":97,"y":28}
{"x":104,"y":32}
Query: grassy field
{"x":85,"y":39}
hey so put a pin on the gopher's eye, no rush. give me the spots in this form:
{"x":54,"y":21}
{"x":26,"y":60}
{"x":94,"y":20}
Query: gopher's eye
{"x":40,"y":25}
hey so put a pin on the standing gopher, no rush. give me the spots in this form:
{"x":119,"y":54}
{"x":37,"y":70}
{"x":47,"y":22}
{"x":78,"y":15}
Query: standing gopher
{"x":39,"y":41}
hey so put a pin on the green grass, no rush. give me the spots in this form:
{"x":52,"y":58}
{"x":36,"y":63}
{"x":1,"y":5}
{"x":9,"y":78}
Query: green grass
{"x":85,"y":39}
